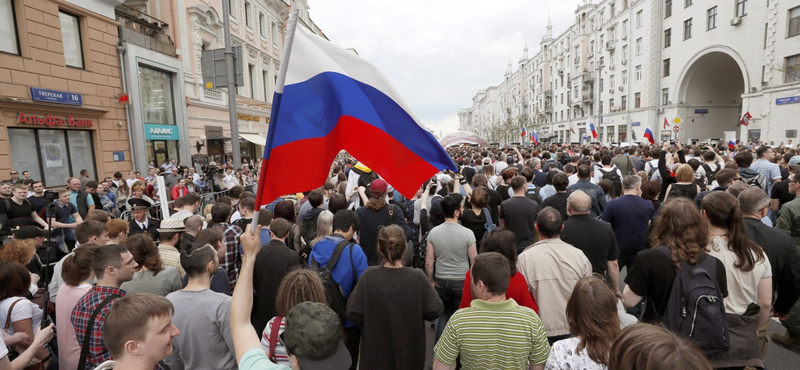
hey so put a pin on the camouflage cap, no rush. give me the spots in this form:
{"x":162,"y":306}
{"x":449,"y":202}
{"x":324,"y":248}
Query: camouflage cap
{"x":312,"y":334}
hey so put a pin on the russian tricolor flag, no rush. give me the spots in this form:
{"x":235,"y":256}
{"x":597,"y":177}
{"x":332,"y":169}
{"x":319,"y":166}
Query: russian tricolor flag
{"x":731,"y":145}
{"x":591,"y":128}
{"x":534,"y":138}
{"x":524,"y":132}
{"x":649,"y":135}
{"x":328,"y":99}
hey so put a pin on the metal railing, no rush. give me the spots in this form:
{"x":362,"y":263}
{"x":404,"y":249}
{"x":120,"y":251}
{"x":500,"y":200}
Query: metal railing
{"x":208,"y":198}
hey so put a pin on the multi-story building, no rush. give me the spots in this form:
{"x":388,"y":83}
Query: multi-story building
{"x":629,"y":65}
{"x":60,"y":90}
{"x":257,"y":27}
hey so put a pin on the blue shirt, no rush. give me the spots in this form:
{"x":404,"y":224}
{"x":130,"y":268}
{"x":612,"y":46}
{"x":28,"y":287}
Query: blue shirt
{"x":629,"y":216}
{"x":73,"y":198}
{"x":342,"y":273}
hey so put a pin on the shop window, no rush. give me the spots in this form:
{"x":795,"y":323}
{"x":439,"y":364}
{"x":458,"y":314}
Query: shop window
{"x":47,"y":156}
{"x":71,"y":37}
{"x":8,"y":28}
{"x":158,"y":100}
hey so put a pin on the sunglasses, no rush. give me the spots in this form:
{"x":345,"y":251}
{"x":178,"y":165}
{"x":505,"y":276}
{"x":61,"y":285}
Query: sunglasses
{"x":13,"y":173}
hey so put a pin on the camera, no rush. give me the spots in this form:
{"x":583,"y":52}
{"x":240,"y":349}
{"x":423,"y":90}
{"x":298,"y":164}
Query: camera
{"x":50,"y":195}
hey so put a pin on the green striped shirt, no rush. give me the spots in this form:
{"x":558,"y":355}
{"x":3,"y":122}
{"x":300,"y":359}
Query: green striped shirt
{"x":493,"y":335}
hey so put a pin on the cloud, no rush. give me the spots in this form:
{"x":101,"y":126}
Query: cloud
{"x":438,"y":54}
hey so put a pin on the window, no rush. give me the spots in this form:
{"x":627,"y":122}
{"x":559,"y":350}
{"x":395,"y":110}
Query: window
{"x":612,"y":34}
{"x":792,"y":69}
{"x":624,"y":52}
{"x":611,"y":9}
{"x":638,"y":72}
{"x":712,"y":18}
{"x":262,"y":25}
{"x":611,"y":57}
{"x":248,"y":14}
{"x":610,"y":104}
{"x":667,"y":9}
{"x":275,"y":34}
{"x":265,"y":84}
{"x":625,"y":27}
{"x":251,"y":74}
{"x":639,"y":46}
{"x":233,"y":7}
{"x":624,"y":102}
{"x":688,"y":3}
{"x":611,"y":82}
{"x":600,"y":108}
{"x":8,"y":28}
{"x":665,"y":96}
{"x":157,"y":98}
{"x":667,"y":37}
{"x":638,"y":19}
{"x":637,"y":100}
{"x":601,"y":85}
{"x":794,"y":22}
{"x":71,"y":36}
{"x":625,"y":77}
{"x":741,"y":8}
{"x":52,"y":160}
{"x":687,"y":29}
{"x":666,"y":67}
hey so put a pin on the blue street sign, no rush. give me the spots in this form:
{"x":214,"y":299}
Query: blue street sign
{"x":789,"y":100}
{"x":636,"y":124}
{"x":53,"y":96}
{"x":119,"y":156}
{"x":701,"y":111}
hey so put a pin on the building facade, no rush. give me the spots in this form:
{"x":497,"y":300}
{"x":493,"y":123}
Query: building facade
{"x":60,"y":89}
{"x":629,"y":65}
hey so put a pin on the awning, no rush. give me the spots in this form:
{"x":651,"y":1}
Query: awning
{"x":462,"y":137}
{"x":253,"y":138}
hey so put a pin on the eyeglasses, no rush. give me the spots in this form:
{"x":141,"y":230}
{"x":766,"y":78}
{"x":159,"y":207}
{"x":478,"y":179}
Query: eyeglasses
{"x":737,"y":179}
{"x":13,"y":173}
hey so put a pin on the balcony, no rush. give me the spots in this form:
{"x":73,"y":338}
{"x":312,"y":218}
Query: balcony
{"x":548,"y":93}
{"x":587,"y":98}
{"x":610,"y":45}
{"x":588,"y":77}
{"x":548,"y":109}
{"x":143,"y":30}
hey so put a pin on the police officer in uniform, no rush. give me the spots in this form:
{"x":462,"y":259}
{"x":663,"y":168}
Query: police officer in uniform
{"x":141,"y":221}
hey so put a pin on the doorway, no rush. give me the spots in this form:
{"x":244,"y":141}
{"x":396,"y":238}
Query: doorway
{"x":161,"y":151}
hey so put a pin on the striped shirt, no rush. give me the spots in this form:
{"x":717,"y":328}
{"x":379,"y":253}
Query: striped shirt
{"x":493,"y":335}
{"x":281,"y":358}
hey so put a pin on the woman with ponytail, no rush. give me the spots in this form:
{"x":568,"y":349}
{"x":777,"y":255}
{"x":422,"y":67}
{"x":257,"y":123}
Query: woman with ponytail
{"x":78,"y":279}
{"x":390,"y":305}
{"x":748,"y":270}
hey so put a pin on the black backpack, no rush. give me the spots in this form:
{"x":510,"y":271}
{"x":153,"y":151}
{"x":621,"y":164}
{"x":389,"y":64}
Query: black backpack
{"x":533,"y":194}
{"x":309,"y":230}
{"x":366,"y":180}
{"x":334,"y":294}
{"x":711,"y":176}
{"x":757,"y":181}
{"x":695,"y":308}
{"x":614,"y":178}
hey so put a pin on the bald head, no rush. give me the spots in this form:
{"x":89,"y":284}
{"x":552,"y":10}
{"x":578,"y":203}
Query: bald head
{"x":579,"y":203}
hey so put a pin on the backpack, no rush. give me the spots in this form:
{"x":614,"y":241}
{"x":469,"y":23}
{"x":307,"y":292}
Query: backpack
{"x":699,"y":182}
{"x":366,"y":180}
{"x":533,"y":194}
{"x":711,"y":176}
{"x":309,"y":230}
{"x":489,"y":225}
{"x":757,"y":181}
{"x":695,"y":308}
{"x":614,"y":178}
{"x":334,"y":294}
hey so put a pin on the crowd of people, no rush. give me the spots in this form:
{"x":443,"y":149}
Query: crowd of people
{"x":514,"y":262}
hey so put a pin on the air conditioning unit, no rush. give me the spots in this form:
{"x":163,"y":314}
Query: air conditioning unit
{"x":611,"y":67}
{"x":736,"y":21}
{"x":624,"y":62}
{"x":611,"y":91}
{"x":624,"y":37}
{"x":621,"y":88}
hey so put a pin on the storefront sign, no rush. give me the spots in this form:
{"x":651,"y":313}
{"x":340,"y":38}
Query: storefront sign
{"x":51,"y":121}
{"x":160,"y":132}
{"x":789,"y":100}
{"x":245,"y":117}
{"x":52,"y":96}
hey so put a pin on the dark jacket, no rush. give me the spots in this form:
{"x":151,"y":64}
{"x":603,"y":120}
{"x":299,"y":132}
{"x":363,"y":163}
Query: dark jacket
{"x":83,"y":206}
{"x":273,"y":262}
{"x":152,"y":225}
{"x":784,"y":257}
{"x":369,"y":221}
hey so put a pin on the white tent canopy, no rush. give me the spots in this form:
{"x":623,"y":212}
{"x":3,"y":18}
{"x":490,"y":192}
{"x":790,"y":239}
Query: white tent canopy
{"x":462,"y":137}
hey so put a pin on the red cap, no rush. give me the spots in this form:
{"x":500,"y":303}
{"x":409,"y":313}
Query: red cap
{"x":378,"y":186}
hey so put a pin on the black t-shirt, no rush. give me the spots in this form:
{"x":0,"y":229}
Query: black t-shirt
{"x":652,"y":275}
{"x":38,"y":202}
{"x":780,"y":191}
{"x":494,"y":204}
{"x":559,"y":202}
{"x":502,"y":189}
{"x":519,"y":215}
{"x":594,"y":237}
{"x":475,"y":223}
{"x":15,"y":210}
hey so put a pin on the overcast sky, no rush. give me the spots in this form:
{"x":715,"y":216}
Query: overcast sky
{"x":439,"y":53}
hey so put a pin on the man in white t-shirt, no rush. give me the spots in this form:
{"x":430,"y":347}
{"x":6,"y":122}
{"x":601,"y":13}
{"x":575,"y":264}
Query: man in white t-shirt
{"x":229,"y":181}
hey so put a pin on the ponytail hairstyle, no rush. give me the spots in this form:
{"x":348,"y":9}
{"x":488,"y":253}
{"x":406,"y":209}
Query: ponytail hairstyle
{"x":78,"y":265}
{"x":145,"y":252}
{"x":722,"y":210}
{"x":392,"y":243}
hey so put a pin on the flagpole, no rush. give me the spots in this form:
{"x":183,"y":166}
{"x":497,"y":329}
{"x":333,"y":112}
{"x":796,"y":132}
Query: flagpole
{"x":288,"y":41}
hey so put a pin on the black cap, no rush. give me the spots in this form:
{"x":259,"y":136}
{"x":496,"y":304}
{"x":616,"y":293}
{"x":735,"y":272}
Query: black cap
{"x":28,"y":232}
{"x":17,"y":222}
{"x":138,"y":204}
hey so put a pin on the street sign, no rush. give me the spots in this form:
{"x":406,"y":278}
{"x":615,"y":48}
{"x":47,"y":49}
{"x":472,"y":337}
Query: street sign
{"x":636,"y":124}
{"x":676,"y":128}
{"x":214,"y":68}
{"x":53,"y":96}
{"x":701,"y":111}
{"x":677,"y":120}
{"x":789,"y":100}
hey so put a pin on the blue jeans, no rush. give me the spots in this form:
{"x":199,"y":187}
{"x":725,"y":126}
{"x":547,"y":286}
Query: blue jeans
{"x":450,"y":293}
